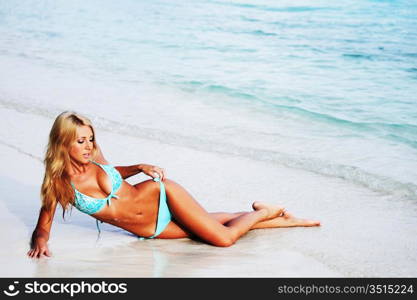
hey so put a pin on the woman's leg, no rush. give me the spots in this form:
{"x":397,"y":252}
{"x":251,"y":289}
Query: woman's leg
{"x":286,"y":220}
{"x":175,"y":231}
{"x":190,"y":215}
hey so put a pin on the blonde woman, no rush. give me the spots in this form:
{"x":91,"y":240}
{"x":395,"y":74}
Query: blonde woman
{"x":77,"y":174}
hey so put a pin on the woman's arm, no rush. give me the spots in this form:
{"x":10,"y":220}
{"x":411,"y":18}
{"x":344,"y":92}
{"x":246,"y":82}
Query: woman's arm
{"x":40,"y":236}
{"x":127,"y":171}
{"x":149,"y":170}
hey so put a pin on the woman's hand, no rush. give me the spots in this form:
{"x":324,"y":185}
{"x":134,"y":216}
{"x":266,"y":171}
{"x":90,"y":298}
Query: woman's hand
{"x":39,"y":249}
{"x":152,"y":171}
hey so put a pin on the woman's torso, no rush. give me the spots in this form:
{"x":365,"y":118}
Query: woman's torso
{"x":133,"y":207}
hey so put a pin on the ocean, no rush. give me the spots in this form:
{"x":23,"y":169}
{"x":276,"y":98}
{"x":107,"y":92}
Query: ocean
{"x":325,"y":86}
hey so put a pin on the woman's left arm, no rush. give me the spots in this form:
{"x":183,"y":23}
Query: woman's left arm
{"x":153,"y":171}
{"x":128,"y":171}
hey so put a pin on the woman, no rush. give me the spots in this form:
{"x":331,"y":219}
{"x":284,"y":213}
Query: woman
{"x":77,"y":174}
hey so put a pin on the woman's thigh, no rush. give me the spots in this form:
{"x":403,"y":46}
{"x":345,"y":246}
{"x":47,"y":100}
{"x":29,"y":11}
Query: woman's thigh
{"x":189,"y":217}
{"x":175,"y":231}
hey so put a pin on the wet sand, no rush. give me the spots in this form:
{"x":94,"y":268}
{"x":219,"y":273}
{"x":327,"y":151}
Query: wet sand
{"x":362,"y":231}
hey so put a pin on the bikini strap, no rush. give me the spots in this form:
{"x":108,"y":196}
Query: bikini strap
{"x":163,"y":218}
{"x":98,"y":226}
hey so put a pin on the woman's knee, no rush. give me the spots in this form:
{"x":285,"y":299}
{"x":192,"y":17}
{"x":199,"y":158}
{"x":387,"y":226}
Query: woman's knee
{"x":224,"y":241}
{"x":226,"y":237}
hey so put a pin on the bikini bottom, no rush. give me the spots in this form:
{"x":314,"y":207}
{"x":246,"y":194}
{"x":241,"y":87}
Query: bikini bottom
{"x":164,"y":215}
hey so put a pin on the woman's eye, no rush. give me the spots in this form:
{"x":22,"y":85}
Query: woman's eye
{"x":80,"y":142}
{"x":92,"y":140}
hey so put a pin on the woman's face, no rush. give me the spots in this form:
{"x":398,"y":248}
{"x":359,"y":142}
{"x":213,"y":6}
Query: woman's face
{"x":82,"y":147}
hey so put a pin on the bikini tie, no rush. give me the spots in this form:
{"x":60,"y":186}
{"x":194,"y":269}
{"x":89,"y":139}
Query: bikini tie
{"x":112,"y":195}
{"x":108,"y":199}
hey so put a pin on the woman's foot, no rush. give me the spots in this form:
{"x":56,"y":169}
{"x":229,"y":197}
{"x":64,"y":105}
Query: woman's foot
{"x":282,"y":222}
{"x":297,"y":222}
{"x":287,"y":220}
{"x":274,"y":211}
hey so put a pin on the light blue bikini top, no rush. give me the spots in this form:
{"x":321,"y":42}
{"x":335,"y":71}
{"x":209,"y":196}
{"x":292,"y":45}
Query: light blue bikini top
{"x":90,"y":205}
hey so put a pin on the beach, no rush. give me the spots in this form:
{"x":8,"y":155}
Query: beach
{"x":251,"y":104}
{"x":352,"y":240}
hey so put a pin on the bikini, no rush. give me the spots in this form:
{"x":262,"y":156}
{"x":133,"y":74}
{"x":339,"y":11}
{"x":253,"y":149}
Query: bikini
{"x":90,"y":205}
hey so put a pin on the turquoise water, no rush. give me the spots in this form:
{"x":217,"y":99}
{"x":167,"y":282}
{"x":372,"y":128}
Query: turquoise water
{"x":325,"y":86}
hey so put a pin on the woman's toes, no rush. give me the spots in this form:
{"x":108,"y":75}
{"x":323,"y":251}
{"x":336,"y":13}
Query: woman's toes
{"x":273,"y":210}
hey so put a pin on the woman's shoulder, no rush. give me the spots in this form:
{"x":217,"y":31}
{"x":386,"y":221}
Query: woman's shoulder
{"x":97,"y":161}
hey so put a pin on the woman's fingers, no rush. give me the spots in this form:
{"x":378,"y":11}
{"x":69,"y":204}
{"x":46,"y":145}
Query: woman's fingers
{"x":48,"y":253}
{"x":153,"y":171}
{"x":38,"y":253}
{"x":159,"y":172}
{"x":44,"y":252}
{"x":33,"y":253}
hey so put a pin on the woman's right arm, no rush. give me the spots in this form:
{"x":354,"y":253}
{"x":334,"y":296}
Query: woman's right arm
{"x":40,"y":236}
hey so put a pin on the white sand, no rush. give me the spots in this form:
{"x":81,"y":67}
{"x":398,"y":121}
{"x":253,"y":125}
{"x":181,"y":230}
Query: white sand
{"x":356,"y":238}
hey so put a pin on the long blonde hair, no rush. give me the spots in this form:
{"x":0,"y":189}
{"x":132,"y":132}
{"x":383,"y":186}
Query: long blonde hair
{"x":56,"y":186}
